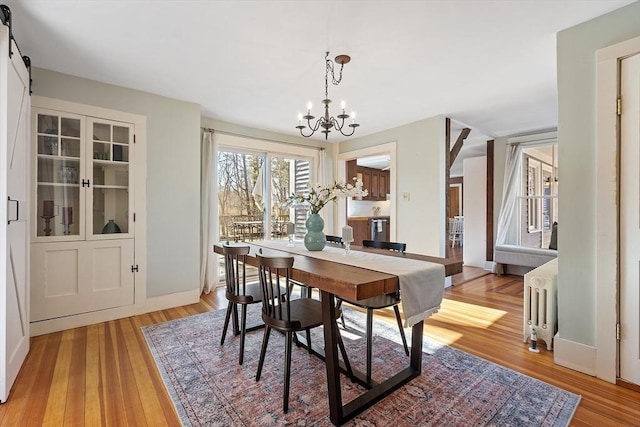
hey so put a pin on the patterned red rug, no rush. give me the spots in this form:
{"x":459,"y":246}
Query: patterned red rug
{"x":209,"y":388}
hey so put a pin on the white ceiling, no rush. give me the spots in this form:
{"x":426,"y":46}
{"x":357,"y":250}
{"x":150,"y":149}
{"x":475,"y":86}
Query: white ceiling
{"x":489,"y":65}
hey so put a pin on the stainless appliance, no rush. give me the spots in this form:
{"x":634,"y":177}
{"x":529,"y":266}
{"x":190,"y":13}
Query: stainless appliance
{"x":378,"y":228}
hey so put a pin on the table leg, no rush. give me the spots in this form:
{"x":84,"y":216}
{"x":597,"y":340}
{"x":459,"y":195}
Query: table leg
{"x":339,"y":414}
{"x":331,"y":357}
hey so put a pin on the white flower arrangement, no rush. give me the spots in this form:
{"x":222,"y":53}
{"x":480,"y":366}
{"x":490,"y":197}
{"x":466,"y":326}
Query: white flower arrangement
{"x":320,"y":195}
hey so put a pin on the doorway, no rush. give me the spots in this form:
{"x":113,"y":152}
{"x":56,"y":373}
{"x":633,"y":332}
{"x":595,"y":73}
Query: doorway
{"x":387,"y":151}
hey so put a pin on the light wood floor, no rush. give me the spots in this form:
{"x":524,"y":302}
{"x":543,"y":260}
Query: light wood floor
{"x":104,"y":374}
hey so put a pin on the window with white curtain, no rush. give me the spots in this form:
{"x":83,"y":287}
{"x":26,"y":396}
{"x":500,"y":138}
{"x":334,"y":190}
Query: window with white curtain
{"x":529,"y":204}
{"x":538,"y":207}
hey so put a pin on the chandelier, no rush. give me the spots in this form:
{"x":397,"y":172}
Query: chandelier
{"x":327,"y":122}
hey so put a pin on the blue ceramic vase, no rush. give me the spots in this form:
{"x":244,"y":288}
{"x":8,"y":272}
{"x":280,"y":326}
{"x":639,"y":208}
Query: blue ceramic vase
{"x":314,"y":240}
{"x":111,"y":227}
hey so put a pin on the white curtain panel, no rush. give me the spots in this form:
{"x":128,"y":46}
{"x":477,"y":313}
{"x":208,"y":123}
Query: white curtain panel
{"x":510,"y":196}
{"x":321,"y":178}
{"x":209,"y":231}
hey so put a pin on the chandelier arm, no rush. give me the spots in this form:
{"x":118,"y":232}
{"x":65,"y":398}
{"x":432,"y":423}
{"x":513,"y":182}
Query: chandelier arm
{"x":316,"y":126}
{"x":340,"y":126}
{"x":306,"y":136}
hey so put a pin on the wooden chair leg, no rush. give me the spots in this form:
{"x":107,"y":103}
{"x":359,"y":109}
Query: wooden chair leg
{"x":243,"y":332}
{"x":226,"y":322}
{"x":399,"y":320}
{"x":236,"y":329}
{"x":369,"y":343}
{"x":287,"y":372}
{"x":265,"y":341}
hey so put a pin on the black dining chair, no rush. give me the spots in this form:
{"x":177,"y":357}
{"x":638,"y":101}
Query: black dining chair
{"x":287,"y":315}
{"x":378,"y":302}
{"x":336,"y":240}
{"x":238,"y":293}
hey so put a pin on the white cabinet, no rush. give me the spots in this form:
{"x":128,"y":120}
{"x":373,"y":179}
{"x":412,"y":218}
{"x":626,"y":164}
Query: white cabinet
{"x":83,"y":230}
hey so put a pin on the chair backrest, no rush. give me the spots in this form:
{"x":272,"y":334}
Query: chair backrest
{"x":274,"y":273}
{"x":235,"y":258}
{"x":392,"y":246}
{"x":334,"y":239}
{"x":458,"y":225}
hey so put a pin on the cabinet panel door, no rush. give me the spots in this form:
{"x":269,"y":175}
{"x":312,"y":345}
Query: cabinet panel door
{"x":375,"y":186}
{"x":70,"y":278}
{"x":366,"y":183}
{"x":383,"y":186}
{"x":360,"y":231}
{"x":110,"y":170}
{"x":59,"y":170}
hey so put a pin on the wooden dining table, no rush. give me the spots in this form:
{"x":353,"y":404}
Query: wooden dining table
{"x":351,"y":282}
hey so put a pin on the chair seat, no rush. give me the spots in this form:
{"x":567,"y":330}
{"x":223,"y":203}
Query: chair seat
{"x":377,"y":302}
{"x":251,"y":295}
{"x":306,"y":312}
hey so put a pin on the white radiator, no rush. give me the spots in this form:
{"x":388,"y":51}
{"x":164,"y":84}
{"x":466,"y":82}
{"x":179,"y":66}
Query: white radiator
{"x":540,"y":302}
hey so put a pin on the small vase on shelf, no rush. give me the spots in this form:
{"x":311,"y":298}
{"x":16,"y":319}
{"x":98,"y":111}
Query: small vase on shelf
{"x":110,"y":227}
{"x":314,"y":240}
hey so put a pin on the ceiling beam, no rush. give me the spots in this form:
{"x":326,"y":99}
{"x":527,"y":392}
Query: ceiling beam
{"x":458,"y":145}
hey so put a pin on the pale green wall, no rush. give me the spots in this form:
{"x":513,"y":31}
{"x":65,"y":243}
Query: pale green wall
{"x":173,"y":173}
{"x":420,"y":172}
{"x":577,"y":253}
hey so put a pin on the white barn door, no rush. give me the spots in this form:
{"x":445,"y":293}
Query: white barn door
{"x":630,"y":220}
{"x":15,"y":105}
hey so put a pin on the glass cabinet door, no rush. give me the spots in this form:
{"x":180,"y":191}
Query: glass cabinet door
{"x":111,"y":173}
{"x":59,"y":151}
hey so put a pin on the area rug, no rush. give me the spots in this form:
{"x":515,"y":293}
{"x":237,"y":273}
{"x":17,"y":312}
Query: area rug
{"x":209,"y":388}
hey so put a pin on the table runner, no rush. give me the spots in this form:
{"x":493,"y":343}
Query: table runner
{"x":421,"y":282}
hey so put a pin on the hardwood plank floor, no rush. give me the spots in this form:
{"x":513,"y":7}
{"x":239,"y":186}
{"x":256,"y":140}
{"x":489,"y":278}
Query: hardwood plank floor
{"x":104,"y":374}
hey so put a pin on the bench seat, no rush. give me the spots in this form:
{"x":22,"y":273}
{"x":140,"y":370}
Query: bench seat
{"x":521,"y":256}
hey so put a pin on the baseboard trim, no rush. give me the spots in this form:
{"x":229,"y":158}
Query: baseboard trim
{"x":161,"y":302}
{"x":574,"y":355}
{"x":490,"y":266}
{"x":84,"y":319}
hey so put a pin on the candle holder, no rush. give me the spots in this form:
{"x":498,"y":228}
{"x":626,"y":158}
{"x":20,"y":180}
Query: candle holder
{"x":291,"y":232}
{"x":347,"y":238}
{"x":347,"y":248}
{"x":67,"y":219}
{"x":47,"y":224}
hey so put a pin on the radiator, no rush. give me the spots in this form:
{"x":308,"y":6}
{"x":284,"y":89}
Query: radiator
{"x":540,"y":302}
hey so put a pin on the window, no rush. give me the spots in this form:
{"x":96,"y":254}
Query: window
{"x":254,"y":180}
{"x":529,"y":201}
{"x":246,"y":188}
{"x":539,"y":195}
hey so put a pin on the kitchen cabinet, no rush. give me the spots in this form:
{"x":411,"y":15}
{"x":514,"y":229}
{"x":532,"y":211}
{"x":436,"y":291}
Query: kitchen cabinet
{"x":362,"y":228}
{"x":375,"y":181}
